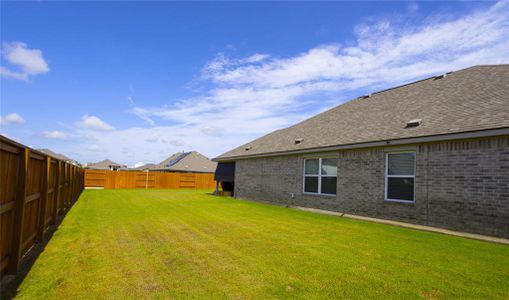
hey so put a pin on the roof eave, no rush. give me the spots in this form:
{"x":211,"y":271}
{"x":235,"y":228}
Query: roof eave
{"x":390,"y":142}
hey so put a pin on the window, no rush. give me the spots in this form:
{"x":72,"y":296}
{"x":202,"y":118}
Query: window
{"x":400,"y":176}
{"x":320,"y":176}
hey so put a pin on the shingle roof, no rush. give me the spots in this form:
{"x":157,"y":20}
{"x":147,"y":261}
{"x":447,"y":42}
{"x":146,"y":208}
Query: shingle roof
{"x":59,"y":156}
{"x":145,"y":167}
{"x":54,"y":154}
{"x":172,"y":160}
{"x":471,"y":99}
{"x":103,"y":165}
{"x":186,"y":162}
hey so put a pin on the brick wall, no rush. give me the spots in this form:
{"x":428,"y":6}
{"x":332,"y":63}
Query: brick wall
{"x":469,"y":186}
{"x":461,"y":185}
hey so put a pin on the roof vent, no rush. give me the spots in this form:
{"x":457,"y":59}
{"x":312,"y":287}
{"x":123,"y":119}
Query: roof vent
{"x":366,"y":96}
{"x":441,"y":76}
{"x":298,"y":141}
{"x":413,"y":123}
{"x":248,"y":148}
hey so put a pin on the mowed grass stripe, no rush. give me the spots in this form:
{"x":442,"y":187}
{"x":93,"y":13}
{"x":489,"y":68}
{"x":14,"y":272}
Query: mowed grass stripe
{"x":190,"y":244}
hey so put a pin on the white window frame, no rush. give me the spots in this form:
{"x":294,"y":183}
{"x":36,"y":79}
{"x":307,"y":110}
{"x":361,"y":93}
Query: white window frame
{"x":319,"y":175}
{"x":387,"y":176}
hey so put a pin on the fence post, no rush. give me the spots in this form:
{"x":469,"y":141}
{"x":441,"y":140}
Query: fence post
{"x":44,"y":199}
{"x":19,"y":211}
{"x":67,"y":186}
{"x":73,"y":184}
{"x":56,"y":190}
{"x":76,"y":183}
{"x":66,"y":200}
{"x":64,"y":191}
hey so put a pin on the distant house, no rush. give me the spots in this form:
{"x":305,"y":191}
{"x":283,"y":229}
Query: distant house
{"x":187,"y":162}
{"x":144,"y":167}
{"x":105,"y":165}
{"x":432,"y":152}
{"x":59,"y":156}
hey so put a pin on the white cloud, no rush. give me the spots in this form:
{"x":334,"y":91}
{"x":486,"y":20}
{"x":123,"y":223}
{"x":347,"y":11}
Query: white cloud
{"x":177,"y":143}
{"x":153,"y":137}
{"x":254,"y":95}
{"x":93,"y":123}
{"x":257,"y":58}
{"x":141,"y":113}
{"x":13,"y":118}
{"x":211,"y":130}
{"x":29,"y":61}
{"x":13,"y":74}
{"x":89,"y":137}
{"x":55,"y":135}
{"x":129,"y":145}
{"x":384,"y":53}
{"x":257,"y":94}
{"x":95,"y":148}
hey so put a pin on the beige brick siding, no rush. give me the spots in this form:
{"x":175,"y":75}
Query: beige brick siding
{"x":460,"y":185}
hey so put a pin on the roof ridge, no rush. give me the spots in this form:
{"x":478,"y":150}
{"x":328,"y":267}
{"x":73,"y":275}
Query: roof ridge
{"x":482,"y":66}
{"x":431,"y":77}
{"x":362,"y":97}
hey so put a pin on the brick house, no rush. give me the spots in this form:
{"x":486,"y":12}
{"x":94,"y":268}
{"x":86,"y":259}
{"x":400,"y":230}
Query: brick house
{"x":432,"y":152}
{"x":183,"y":162}
{"x":106,"y":164}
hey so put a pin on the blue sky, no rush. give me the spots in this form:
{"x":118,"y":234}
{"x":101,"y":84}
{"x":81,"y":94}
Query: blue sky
{"x":136,"y":81}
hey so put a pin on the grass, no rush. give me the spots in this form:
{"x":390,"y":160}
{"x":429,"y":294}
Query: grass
{"x":188,"y":244}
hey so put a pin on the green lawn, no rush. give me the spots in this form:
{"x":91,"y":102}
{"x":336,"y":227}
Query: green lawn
{"x":188,"y":244}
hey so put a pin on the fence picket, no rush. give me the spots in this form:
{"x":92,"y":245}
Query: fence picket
{"x":44,"y":199}
{"x":56,"y":190}
{"x":19,"y":211}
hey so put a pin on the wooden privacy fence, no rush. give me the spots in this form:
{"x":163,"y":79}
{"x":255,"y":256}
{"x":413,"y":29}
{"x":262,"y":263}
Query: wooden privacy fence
{"x":139,"y":179}
{"x":35,"y":190}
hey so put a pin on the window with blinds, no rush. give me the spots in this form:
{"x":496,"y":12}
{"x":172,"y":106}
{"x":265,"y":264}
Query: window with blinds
{"x":400,"y":176}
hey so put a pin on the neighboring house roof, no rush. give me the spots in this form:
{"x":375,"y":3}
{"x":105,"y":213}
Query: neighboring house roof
{"x":144,"y":167}
{"x":186,"y":162}
{"x":468,"y":100}
{"x":104,"y":165}
{"x":54,"y":154}
{"x":59,"y":156}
